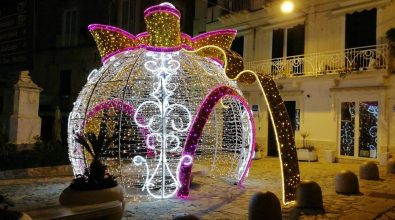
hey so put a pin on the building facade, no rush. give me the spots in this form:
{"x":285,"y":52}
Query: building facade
{"x":330,"y":60}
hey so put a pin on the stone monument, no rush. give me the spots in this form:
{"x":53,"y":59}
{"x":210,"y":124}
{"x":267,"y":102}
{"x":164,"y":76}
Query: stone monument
{"x":25,"y":124}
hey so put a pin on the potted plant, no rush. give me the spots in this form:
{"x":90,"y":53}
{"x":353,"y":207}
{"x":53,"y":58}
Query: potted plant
{"x":306,"y":152}
{"x":95,"y":185}
{"x":390,"y":35}
{"x":5,"y":213}
{"x":304,"y":136}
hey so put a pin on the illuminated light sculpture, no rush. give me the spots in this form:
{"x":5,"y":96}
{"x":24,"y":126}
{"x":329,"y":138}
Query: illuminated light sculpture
{"x":172,"y":99}
{"x":195,"y":132}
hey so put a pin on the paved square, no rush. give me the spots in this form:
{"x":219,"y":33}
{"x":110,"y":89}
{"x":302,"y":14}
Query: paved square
{"x":217,"y":199}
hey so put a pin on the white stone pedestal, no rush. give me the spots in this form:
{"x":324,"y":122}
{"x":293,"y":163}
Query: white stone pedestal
{"x":306,"y":155}
{"x":383,"y":159}
{"x":329,"y":156}
{"x":25,"y":124}
{"x":257,"y":155}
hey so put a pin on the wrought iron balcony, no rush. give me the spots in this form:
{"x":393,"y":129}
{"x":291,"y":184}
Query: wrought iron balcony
{"x":340,"y":62}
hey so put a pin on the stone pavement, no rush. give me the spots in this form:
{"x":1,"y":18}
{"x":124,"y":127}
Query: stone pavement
{"x":217,"y":199}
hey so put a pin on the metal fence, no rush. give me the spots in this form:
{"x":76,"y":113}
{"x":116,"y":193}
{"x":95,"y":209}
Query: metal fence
{"x":331,"y":62}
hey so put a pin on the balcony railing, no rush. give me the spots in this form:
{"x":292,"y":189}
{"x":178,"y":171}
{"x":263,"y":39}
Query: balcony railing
{"x":332,"y":62}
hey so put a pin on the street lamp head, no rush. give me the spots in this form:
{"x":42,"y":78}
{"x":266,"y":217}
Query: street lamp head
{"x":287,"y":6}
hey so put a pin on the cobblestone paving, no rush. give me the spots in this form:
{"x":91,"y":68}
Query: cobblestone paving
{"x":216,"y":199}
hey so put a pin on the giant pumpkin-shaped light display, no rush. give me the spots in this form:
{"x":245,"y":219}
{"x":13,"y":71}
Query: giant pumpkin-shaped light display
{"x":167,"y":105}
{"x":170,"y":100}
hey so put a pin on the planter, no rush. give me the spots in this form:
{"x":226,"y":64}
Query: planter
{"x":257,"y":155}
{"x":329,"y":156}
{"x":71,"y":197}
{"x":306,"y":155}
{"x":383,"y":158}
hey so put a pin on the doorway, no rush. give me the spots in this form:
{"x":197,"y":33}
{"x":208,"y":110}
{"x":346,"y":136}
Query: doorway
{"x":272,"y":150}
{"x":358,"y":129}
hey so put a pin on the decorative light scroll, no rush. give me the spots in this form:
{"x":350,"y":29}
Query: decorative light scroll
{"x":162,"y":122}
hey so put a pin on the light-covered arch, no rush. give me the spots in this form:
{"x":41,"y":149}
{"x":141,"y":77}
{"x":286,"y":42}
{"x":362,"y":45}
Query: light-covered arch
{"x":195,"y":131}
{"x":281,"y":123}
{"x":284,"y":135}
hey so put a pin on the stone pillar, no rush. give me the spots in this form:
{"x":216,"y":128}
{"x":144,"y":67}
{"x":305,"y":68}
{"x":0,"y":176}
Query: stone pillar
{"x":25,"y":124}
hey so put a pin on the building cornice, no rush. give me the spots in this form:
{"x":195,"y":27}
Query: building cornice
{"x":353,"y":5}
{"x":359,"y":88}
